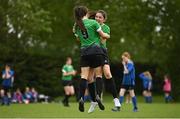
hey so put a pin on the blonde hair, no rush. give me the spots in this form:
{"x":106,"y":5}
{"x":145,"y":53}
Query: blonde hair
{"x":148,"y":74}
{"x":126,"y":54}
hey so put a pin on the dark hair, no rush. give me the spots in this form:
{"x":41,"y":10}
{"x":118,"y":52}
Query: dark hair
{"x":68,"y":58}
{"x":8,"y":65}
{"x":79,"y":13}
{"x":103,"y":13}
{"x":91,"y":14}
{"x":167,"y":76}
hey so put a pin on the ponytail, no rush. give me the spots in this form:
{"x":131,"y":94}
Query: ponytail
{"x":79,"y":13}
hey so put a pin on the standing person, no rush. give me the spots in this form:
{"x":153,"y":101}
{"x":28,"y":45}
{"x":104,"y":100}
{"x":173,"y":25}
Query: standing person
{"x":7,"y":84}
{"x":88,"y":31}
{"x":67,"y":74}
{"x":147,"y":86}
{"x":101,"y":17}
{"x":167,"y":89}
{"x":128,"y":82}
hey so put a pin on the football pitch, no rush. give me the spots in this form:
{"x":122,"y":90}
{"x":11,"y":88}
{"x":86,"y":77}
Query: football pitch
{"x":57,"y":110}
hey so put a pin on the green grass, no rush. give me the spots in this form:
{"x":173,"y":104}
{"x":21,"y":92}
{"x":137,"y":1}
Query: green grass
{"x":56,"y":110}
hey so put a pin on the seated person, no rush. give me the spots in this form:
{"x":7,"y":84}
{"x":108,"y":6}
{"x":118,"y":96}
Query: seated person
{"x":28,"y":95}
{"x":34,"y":94}
{"x":17,"y":96}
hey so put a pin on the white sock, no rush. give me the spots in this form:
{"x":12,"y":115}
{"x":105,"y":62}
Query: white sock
{"x":116,"y":102}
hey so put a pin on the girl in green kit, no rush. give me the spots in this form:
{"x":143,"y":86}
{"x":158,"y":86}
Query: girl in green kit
{"x":67,"y":74}
{"x":89,"y":33}
{"x":101,"y":17}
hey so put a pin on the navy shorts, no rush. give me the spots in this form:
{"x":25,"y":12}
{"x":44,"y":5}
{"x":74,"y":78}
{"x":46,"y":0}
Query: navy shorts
{"x":92,"y":61}
{"x":105,"y":57}
{"x":128,"y":87}
{"x":6,"y":89}
{"x":146,"y":89}
{"x":67,"y":83}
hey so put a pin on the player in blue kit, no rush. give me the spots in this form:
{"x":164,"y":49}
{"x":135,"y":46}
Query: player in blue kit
{"x":7,"y":83}
{"x":128,"y":82}
{"x":147,"y":86}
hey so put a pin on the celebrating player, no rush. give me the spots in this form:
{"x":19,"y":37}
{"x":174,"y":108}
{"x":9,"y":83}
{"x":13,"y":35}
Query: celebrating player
{"x":88,"y":32}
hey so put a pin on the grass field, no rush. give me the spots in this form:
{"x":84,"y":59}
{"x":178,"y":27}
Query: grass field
{"x":56,"y":110}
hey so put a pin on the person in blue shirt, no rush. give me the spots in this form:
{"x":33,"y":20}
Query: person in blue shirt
{"x":28,"y":95}
{"x":128,"y":81}
{"x":147,"y":86}
{"x":7,"y":83}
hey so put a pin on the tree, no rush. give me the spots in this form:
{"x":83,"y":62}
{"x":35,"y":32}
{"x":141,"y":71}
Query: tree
{"x":36,"y":36}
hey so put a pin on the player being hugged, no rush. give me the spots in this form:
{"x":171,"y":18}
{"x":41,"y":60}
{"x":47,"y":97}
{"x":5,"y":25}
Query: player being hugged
{"x":101,"y":17}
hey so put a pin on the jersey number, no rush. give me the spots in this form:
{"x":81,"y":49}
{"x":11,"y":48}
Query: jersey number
{"x":85,"y":34}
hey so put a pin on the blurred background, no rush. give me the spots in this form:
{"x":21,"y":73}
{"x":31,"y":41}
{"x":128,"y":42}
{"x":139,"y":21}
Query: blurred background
{"x":36,"y":37}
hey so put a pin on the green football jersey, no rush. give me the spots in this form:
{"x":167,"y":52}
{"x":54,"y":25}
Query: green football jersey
{"x":92,"y":28}
{"x":105,"y":29}
{"x":67,"y":68}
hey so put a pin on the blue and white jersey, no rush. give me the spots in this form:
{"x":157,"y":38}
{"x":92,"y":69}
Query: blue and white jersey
{"x":147,"y":82}
{"x":8,"y":80}
{"x":150,"y":84}
{"x":129,"y":76}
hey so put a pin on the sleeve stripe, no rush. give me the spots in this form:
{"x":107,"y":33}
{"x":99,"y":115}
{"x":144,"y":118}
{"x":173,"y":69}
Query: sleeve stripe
{"x":99,"y":29}
{"x":63,"y":71}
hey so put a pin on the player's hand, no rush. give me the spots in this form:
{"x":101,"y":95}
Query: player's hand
{"x":103,"y":40}
{"x":8,"y":75}
{"x":123,"y":62}
{"x":74,"y":72}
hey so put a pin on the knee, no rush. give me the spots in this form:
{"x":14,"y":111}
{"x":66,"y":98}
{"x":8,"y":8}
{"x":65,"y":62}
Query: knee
{"x":72,"y":92}
{"x":132,"y":94}
{"x":2,"y":93}
{"x":98,"y":74}
{"x":121,"y":93}
{"x":90,"y":81}
{"x":67,"y":93}
{"x":84,"y":77}
{"x":144,"y":93}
